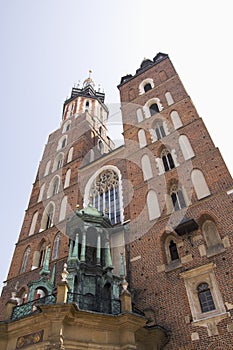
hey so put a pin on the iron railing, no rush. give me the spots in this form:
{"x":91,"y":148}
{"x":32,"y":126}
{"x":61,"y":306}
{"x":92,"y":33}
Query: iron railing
{"x":26,"y":309}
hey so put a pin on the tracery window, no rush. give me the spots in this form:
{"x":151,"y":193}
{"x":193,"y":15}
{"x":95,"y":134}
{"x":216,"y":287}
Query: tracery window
{"x":104,"y":195}
{"x":159,"y":130}
{"x":177,"y":197}
{"x":167,"y":159}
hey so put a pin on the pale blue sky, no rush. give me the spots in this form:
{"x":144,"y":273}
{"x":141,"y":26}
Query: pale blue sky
{"x":48,"y":45}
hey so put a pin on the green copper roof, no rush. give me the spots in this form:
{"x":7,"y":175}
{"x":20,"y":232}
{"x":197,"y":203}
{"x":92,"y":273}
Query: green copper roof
{"x":90,"y":211}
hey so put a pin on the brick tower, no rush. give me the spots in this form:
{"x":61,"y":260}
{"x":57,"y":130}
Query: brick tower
{"x":156,"y":211}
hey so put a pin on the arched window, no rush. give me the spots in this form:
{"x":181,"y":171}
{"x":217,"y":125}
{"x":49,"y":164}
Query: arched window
{"x":47,"y":168}
{"x":153,"y":205}
{"x":169,"y":98}
{"x":173,"y":260}
{"x":62,"y":142}
{"x":66,"y":126}
{"x":53,"y":187}
{"x":40,"y":197}
{"x":142,"y":138}
{"x":173,"y":250}
{"x":186,"y":148}
{"x":56,"y":246}
{"x":154,"y":109}
{"x":177,"y":123}
{"x":147,"y":87}
{"x":211,"y":235}
{"x":177,"y":197}
{"x":67,"y":178}
{"x":87,"y":104}
{"x":167,"y":159}
{"x":105,"y":195}
{"x":25,"y":260}
{"x":47,"y":218}
{"x":139,"y":115}
{"x":205,"y":297}
{"x":146,"y":167}
{"x":199,"y":183}
{"x":58,"y":162}
{"x":70,"y":154}
{"x":42,"y":252}
{"x":33,"y":224}
{"x":62,"y":214}
{"x":159,"y":130}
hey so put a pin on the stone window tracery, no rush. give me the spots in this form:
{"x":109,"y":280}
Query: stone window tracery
{"x":177,"y":197}
{"x":104,"y":194}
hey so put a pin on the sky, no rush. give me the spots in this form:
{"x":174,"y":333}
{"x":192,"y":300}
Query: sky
{"x":49,"y":45}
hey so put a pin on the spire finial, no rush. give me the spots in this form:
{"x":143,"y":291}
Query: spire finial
{"x":89,"y":80}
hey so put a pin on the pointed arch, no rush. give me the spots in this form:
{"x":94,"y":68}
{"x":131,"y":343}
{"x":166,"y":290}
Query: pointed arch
{"x":40,"y":197}
{"x":47,"y":168}
{"x":66,"y":126}
{"x":139,"y":115}
{"x":169,"y":98}
{"x":153,"y":205}
{"x":186,"y":147}
{"x":142,"y":138}
{"x":67,"y":178}
{"x":70,"y":154}
{"x":146,"y":167}
{"x":114,"y":192}
{"x":62,"y":142}
{"x":54,"y":186}
{"x":48,"y":217}
{"x":24,"y":264}
{"x":175,"y":118}
{"x":62,"y":214}
{"x":56,"y":246}
{"x":211,"y":236}
{"x":58,"y":161}
{"x":33,"y":223}
{"x":200,"y":184}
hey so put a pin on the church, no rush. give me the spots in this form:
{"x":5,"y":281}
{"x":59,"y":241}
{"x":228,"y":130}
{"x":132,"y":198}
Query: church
{"x":126,"y":247}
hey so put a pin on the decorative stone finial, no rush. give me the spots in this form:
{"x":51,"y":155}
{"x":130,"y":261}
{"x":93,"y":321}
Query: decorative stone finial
{"x":65,"y":273}
{"x":125,"y":285}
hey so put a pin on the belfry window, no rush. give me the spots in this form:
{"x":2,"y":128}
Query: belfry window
{"x":147,"y":87}
{"x":177,"y":198}
{"x":205,"y":297}
{"x":154,"y":109}
{"x":159,"y":130}
{"x":167,"y":159}
{"x":105,"y":196}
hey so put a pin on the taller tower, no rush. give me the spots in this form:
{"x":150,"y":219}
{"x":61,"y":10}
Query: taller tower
{"x":156,"y":211}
